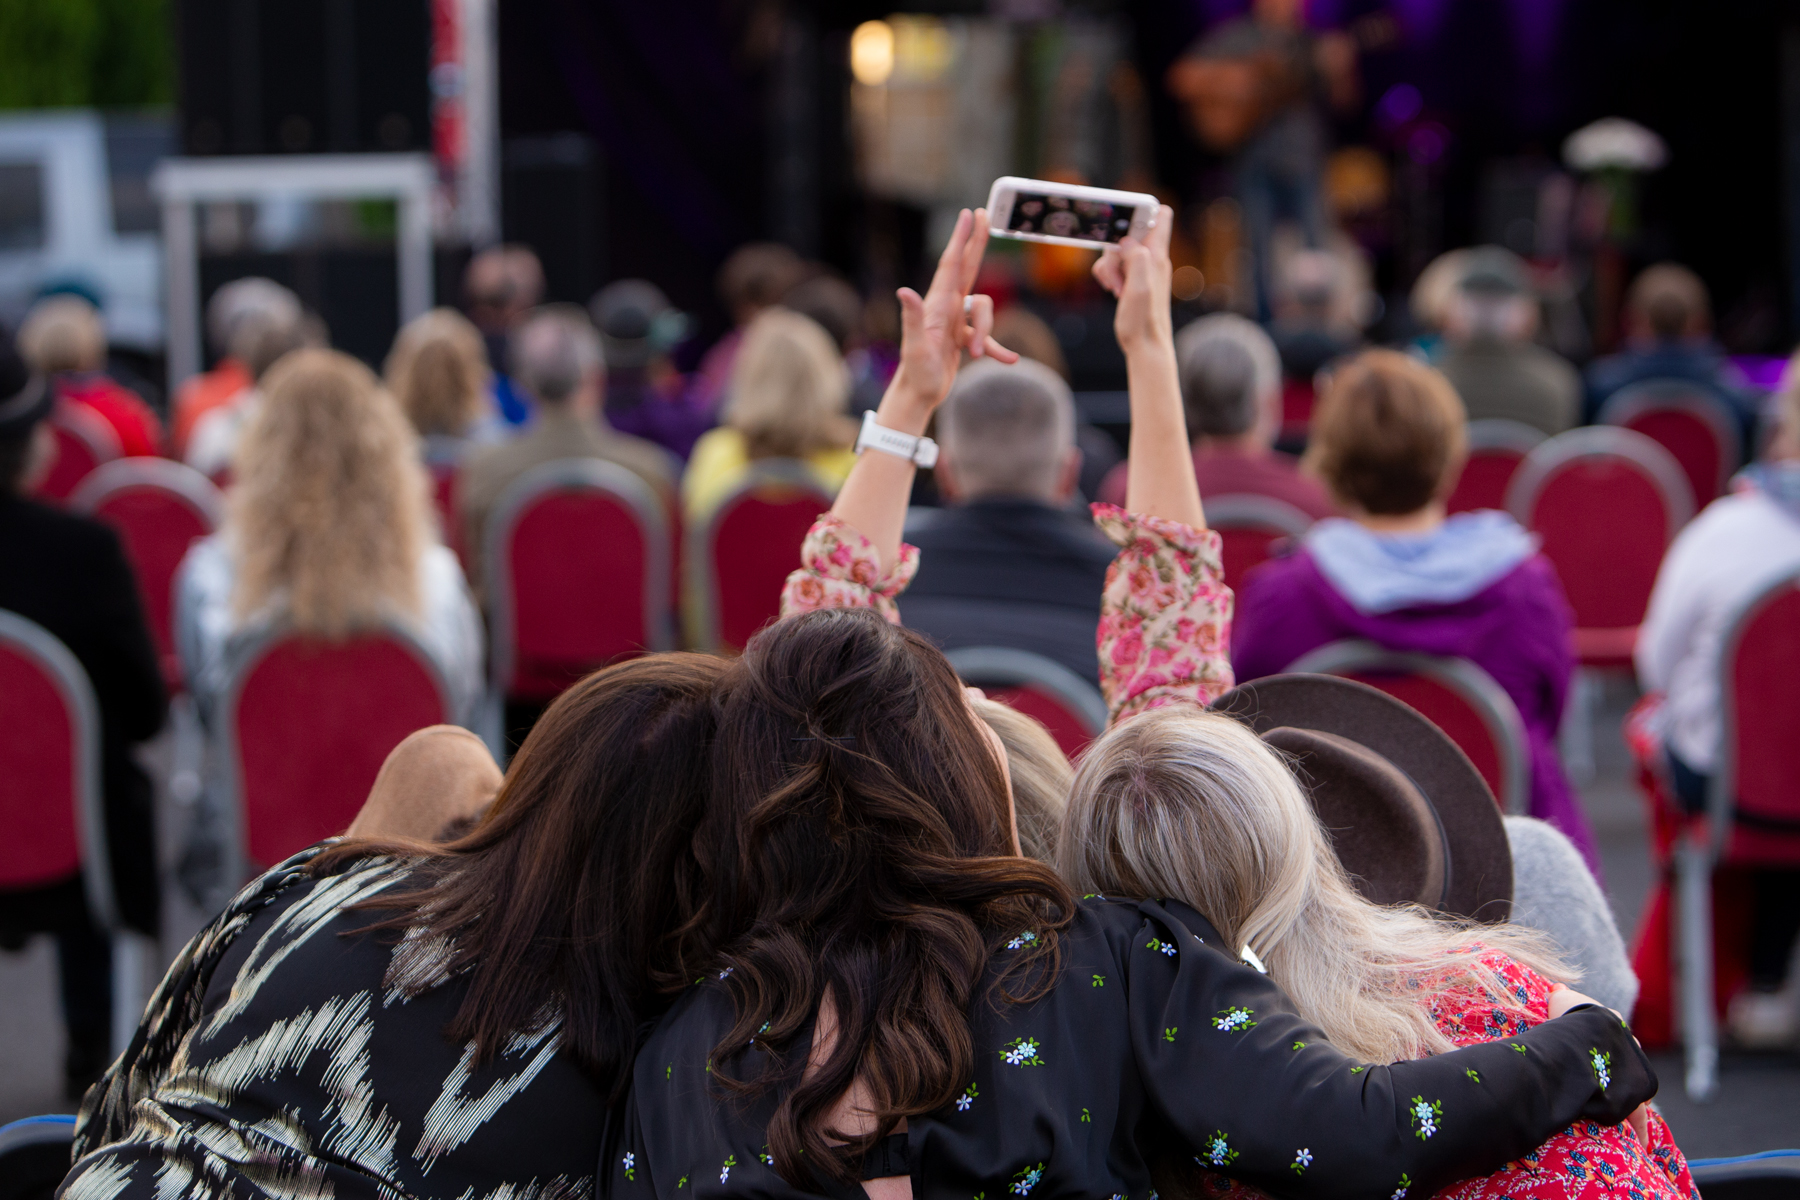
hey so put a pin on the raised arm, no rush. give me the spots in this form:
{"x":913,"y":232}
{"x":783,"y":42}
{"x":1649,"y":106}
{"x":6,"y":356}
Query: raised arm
{"x":853,"y":556}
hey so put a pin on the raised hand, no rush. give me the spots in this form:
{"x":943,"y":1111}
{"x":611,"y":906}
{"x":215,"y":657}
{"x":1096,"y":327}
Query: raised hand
{"x":1137,"y":274}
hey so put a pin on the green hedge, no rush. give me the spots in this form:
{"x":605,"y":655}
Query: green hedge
{"x":56,"y":53}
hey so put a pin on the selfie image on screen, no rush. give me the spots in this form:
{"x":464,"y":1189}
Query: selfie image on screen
{"x":1066,"y":216}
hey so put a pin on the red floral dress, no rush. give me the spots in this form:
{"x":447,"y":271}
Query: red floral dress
{"x":1585,"y":1161}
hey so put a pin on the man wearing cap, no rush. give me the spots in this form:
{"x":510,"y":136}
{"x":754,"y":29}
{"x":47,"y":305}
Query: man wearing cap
{"x":1496,"y":368}
{"x":646,"y":396}
{"x":68,"y":574}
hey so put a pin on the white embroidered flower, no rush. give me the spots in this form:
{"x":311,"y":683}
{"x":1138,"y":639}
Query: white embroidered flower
{"x":1217,"y":1150}
{"x":1168,"y":948}
{"x":1024,"y":1186}
{"x":1232,"y":1020}
{"x":1303,"y":1157}
{"x":963,"y":1102}
{"x":725,"y":972}
{"x":1023,"y":940}
{"x":1600,"y":1070}
{"x":630,"y":1160}
{"x":724,"y":1174}
{"x":1399,"y":1194}
{"x":1022,"y":1052}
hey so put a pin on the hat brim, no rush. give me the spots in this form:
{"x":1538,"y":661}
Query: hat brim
{"x":1480,"y":860}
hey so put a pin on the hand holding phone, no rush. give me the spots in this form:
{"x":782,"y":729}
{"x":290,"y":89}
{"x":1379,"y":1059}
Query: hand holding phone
{"x":1068,"y":214}
{"x":1138,"y":276}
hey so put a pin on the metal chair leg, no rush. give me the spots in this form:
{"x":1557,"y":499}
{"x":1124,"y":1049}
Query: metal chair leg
{"x":1694,"y":951}
{"x":1577,"y":733}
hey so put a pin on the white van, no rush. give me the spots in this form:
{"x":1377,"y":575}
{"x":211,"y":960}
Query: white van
{"x":75,"y":207}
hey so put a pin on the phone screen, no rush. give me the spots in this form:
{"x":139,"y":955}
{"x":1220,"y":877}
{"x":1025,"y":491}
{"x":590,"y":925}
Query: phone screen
{"x":1067,"y":216}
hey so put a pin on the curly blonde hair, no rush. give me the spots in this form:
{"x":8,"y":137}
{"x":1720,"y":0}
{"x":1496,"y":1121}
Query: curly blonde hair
{"x":329,"y":511}
{"x":438,"y":371}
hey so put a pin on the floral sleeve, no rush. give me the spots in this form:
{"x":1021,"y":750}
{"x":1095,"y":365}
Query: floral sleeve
{"x":839,"y":568}
{"x":1165,"y":617}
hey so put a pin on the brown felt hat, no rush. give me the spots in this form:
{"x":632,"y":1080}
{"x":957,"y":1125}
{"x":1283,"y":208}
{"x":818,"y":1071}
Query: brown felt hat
{"x":1408,"y":814}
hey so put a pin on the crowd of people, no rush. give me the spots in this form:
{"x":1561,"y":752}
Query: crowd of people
{"x":877,"y":932}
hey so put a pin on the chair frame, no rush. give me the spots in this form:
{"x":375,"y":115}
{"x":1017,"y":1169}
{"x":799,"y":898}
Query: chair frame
{"x":88,"y":427}
{"x":1466,"y":679}
{"x":581,"y":474}
{"x":1246,"y":510}
{"x":236,"y":825}
{"x":1699,"y":854}
{"x":53,"y":1129}
{"x":1681,"y":395}
{"x":178,"y":478}
{"x":1499,"y":433}
{"x":1553,"y":454}
{"x":703,"y":578}
{"x":1004,"y":666}
{"x":1768,"y":1166}
{"x":71,"y":681}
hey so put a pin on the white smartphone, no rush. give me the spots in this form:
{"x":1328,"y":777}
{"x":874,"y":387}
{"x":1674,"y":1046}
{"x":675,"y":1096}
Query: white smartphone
{"x":1067,"y":214}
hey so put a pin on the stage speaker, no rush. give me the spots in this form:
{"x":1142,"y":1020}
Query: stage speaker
{"x":553,"y":199}
{"x":304,"y":76}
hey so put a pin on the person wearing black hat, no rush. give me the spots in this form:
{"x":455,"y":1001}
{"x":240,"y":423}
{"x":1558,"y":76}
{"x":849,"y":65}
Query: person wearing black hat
{"x":1496,"y":368}
{"x":68,"y":574}
{"x":646,"y":396}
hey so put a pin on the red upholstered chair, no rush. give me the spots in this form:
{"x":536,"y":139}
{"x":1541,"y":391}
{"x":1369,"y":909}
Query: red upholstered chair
{"x":738,"y":560}
{"x":443,"y":496}
{"x":1606,"y":502}
{"x":1298,"y":397}
{"x":1456,"y":695}
{"x":305,"y":728}
{"x":51,"y":806}
{"x":1250,"y":527}
{"x":1690,"y":423}
{"x":1070,"y":707}
{"x":1496,"y":448}
{"x":84,"y":441}
{"x":159,"y":509}
{"x":577,"y":561}
{"x":1753,"y":809}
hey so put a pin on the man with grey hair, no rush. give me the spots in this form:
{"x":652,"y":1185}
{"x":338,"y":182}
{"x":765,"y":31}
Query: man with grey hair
{"x":556,"y":360}
{"x":1492,"y":361}
{"x":1231,"y":393}
{"x":1011,"y":563}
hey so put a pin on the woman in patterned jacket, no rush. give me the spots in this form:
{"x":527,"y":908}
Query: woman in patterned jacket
{"x":898,"y":1004}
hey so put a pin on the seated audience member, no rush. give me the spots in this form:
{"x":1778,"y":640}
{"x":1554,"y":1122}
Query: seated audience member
{"x":69,"y":574}
{"x":1668,"y":333}
{"x":1023,"y":331}
{"x":558,"y":364}
{"x":753,"y":279}
{"x":327,"y":532}
{"x":438,"y":371}
{"x":1737,"y":546}
{"x":1554,"y":892}
{"x":1195,"y":807}
{"x":646,"y":396}
{"x":1389,"y":440}
{"x":259,"y":341}
{"x":932,"y":975}
{"x":788,"y":399}
{"x":1310,"y":327}
{"x":231,"y":304}
{"x":1429,"y":302}
{"x":835,"y":305}
{"x":1008,"y":564}
{"x":1490,"y":359}
{"x":1231,"y":393}
{"x":500,"y":286}
{"x":64,"y":339}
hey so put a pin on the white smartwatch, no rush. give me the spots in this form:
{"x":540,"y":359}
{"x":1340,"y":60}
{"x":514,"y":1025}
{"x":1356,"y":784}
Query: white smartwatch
{"x":920,"y":451}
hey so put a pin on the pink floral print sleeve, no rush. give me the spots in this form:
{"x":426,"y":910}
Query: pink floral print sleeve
{"x":839,"y":568}
{"x":1165,"y":617}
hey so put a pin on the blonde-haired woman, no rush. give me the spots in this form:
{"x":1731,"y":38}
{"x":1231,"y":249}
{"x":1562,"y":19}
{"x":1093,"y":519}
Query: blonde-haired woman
{"x":1192,"y":805}
{"x":790,"y":395}
{"x":438,"y":371}
{"x":327,"y":532}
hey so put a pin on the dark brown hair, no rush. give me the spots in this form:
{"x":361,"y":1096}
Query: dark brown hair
{"x":580,"y":885}
{"x":1389,"y":435}
{"x":860,"y":843}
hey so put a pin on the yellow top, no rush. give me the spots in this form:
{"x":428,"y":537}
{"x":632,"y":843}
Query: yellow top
{"x":720,"y":462}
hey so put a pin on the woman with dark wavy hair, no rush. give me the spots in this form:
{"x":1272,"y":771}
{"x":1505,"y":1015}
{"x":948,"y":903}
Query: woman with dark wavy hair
{"x":897,"y":1004}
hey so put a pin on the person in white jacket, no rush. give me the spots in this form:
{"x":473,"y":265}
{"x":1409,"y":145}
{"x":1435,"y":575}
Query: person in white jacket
{"x":1739,"y":545}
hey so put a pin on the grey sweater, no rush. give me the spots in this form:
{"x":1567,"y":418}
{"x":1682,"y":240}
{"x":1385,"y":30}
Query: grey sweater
{"x":1554,"y":892}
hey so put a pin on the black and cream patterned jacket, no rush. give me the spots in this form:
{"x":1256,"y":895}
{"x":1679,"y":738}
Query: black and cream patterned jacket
{"x":288,"y":1056}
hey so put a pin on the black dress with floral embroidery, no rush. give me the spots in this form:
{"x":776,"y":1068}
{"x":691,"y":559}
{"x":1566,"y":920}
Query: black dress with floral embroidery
{"x":1152,"y":1047}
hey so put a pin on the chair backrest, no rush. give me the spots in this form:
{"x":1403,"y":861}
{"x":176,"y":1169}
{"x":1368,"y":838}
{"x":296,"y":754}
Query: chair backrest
{"x":50,"y":804}
{"x":1688,"y":421}
{"x":1298,"y":398}
{"x":34,"y":1156}
{"x":1770,"y":1175}
{"x":307,"y":724}
{"x":1070,"y":707}
{"x":745,"y":551}
{"x":1606,"y":502}
{"x":84,"y":441}
{"x":1496,"y":448}
{"x":577,"y":561}
{"x":443,"y":497}
{"x":159,"y":509}
{"x":1249,"y":528}
{"x":1455,"y":695}
{"x":1756,"y":790}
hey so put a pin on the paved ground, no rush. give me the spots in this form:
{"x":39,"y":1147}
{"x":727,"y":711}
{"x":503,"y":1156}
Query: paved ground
{"x":1758,"y":1107}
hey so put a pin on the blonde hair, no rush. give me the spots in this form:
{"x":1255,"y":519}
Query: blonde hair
{"x":438,"y":371}
{"x":789,"y":388}
{"x":1040,"y":773}
{"x":1191,"y":805}
{"x":63,"y":333}
{"x":329,"y":510}
{"x":1389,"y":435}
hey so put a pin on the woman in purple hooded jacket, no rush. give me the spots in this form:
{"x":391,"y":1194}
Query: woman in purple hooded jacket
{"x":1389,"y":440}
